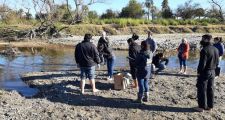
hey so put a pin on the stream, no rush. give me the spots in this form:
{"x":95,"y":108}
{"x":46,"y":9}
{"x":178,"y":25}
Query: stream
{"x":57,"y":59}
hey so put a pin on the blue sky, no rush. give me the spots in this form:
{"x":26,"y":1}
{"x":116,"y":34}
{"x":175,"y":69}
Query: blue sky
{"x":115,"y":5}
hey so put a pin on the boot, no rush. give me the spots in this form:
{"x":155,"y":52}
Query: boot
{"x":146,"y":97}
{"x":139,"y":98}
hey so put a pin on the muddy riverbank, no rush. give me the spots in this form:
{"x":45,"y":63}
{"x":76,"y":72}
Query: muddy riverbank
{"x":172,"y":96}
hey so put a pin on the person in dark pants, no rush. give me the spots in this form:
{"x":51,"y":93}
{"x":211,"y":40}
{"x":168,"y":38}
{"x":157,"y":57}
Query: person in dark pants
{"x":158,"y":62}
{"x":218,"y":43}
{"x":134,"y":49}
{"x":209,"y":59}
{"x":143,"y":64}
{"x":87,"y":56}
{"x":107,"y":54}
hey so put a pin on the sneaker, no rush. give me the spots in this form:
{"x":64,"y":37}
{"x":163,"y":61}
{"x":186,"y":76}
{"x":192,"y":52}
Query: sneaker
{"x":180,"y":72}
{"x":109,"y":78}
{"x":199,"y":109}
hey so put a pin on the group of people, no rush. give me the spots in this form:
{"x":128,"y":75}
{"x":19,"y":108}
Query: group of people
{"x":144,"y":61}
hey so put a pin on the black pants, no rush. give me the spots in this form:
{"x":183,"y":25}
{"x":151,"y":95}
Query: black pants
{"x":133,"y":72}
{"x":205,"y":92}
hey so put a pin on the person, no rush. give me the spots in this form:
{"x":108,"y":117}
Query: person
{"x":157,"y":62}
{"x":151,"y":42}
{"x":87,"y":56}
{"x":183,"y":54}
{"x":209,"y":58}
{"x":107,"y":52}
{"x":218,"y":43}
{"x":143,"y":65}
{"x":134,"y":49}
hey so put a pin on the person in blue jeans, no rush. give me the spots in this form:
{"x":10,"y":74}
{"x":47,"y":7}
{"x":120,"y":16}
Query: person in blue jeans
{"x":143,"y":64}
{"x":106,"y":51}
{"x":160,"y":62}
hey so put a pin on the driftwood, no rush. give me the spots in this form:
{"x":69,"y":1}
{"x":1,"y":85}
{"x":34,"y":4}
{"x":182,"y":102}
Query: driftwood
{"x":45,"y":30}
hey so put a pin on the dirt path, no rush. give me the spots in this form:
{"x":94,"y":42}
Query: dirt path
{"x":172,"y":96}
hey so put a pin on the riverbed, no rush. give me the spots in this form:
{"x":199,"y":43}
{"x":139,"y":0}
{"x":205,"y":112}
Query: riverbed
{"x":59,"y":58}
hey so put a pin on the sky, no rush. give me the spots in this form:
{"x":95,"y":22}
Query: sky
{"x":115,"y":5}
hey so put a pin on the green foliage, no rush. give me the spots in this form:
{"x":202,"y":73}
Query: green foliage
{"x":132,"y":10}
{"x":92,"y":15}
{"x":109,"y":14}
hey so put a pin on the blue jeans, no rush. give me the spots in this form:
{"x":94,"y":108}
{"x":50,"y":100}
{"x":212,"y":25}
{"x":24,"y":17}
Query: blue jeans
{"x":182,"y":61}
{"x":161,"y":67}
{"x":110,"y":66}
{"x":143,"y":86}
{"x":88,"y":72}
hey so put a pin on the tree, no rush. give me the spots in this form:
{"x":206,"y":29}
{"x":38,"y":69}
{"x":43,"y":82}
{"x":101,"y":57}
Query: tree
{"x":187,"y":11}
{"x":199,"y":12}
{"x":132,"y":10}
{"x":109,"y":14}
{"x":92,"y":15}
{"x":219,"y":4}
{"x":151,"y":8}
{"x":166,"y":11}
{"x":81,"y":9}
{"x":165,"y":4}
{"x":213,"y":13}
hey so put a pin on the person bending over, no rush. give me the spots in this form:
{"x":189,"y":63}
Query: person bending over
{"x":158,"y":62}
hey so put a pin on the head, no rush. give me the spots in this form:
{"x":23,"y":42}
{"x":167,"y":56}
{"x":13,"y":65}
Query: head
{"x":144,"y":45}
{"x":135,"y":36}
{"x":206,"y":40}
{"x":103,"y":34}
{"x":216,"y":39}
{"x":150,"y":34}
{"x":184,"y":40}
{"x":160,"y":55}
{"x":130,"y":40}
{"x":87,"y":37}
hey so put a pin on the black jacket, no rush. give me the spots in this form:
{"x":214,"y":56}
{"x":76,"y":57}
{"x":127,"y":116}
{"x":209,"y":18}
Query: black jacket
{"x":86,"y":54}
{"x":141,"y":63}
{"x":134,"y":49}
{"x":157,"y":60}
{"x":209,"y":59}
{"x":104,"y":49}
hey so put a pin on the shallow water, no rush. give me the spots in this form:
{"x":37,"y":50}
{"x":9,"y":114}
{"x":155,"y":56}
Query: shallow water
{"x":56,"y":59}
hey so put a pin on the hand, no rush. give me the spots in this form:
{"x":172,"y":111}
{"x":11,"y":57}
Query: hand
{"x":99,"y":66}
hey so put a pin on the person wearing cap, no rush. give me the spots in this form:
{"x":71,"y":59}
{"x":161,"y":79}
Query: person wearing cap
{"x":106,"y":54}
{"x":87,"y":56}
{"x":183,"y":54}
{"x":134,"y":49}
{"x":209,"y":59}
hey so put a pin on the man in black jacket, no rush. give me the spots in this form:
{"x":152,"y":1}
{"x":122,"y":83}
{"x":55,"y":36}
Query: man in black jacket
{"x":209,"y":59}
{"x":134,"y":49}
{"x":87,"y":56}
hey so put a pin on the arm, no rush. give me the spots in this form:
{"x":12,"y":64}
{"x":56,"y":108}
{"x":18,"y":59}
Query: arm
{"x":96,"y":55}
{"x":202,"y":61}
{"x":76,"y":54}
{"x":166,"y":60}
